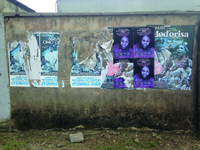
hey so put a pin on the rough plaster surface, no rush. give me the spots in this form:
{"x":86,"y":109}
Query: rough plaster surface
{"x":4,"y":92}
{"x":7,"y":7}
{"x":64,"y":107}
{"x":33,"y":61}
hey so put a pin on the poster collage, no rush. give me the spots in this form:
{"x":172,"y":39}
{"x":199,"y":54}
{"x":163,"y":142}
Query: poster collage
{"x":48,"y":44}
{"x":135,"y":63}
{"x":143,"y":57}
{"x":154,"y":56}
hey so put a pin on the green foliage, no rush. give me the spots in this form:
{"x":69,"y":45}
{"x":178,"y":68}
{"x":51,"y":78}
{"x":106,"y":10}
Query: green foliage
{"x":34,"y":139}
{"x":12,"y":145}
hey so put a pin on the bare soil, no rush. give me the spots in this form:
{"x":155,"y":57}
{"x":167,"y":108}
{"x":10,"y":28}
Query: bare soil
{"x":101,"y":139}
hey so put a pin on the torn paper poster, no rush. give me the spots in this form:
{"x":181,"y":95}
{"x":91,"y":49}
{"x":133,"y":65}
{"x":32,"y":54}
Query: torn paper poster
{"x":107,"y":75}
{"x":33,"y":60}
{"x":107,"y":46}
{"x":16,"y":53}
{"x":85,"y":81}
{"x":90,"y":62}
{"x":48,"y":81}
{"x":123,"y":78}
{"x":49,"y":46}
{"x":88,"y":73}
{"x":85,"y":45}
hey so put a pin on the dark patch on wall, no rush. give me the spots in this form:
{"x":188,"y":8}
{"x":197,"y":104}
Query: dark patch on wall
{"x":114,"y":117}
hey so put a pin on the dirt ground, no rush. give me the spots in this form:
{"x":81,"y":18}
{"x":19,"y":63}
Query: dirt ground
{"x":101,"y":139}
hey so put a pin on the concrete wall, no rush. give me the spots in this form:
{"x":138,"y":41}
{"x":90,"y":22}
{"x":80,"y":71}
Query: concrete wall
{"x":65,"y":106}
{"x":126,"y":5}
{"x":6,"y":7}
{"x":4,"y":84}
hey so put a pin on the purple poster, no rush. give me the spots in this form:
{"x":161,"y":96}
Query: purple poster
{"x":144,"y":73}
{"x":124,"y":76}
{"x":144,"y":42}
{"x":123,"y":43}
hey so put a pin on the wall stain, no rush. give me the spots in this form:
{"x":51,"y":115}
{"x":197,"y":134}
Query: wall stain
{"x":112,"y":117}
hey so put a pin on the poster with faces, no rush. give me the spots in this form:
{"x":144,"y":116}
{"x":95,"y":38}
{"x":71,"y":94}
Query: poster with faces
{"x":143,"y":42}
{"x":123,"y":43}
{"x":173,"y":56}
{"x":144,"y":72}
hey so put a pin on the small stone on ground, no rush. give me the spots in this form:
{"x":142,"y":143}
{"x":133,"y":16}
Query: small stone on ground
{"x":76,"y":138}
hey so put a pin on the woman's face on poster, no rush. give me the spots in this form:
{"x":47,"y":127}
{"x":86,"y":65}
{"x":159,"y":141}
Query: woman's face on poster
{"x":180,"y":51}
{"x":124,"y":42}
{"x":145,"y":71}
{"x":145,"y":41}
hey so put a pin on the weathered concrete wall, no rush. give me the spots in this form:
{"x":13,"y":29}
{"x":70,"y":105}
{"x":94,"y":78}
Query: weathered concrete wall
{"x":198,"y":83}
{"x":63,"y":107}
{"x":4,"y":84}
{"x":6,"y":7}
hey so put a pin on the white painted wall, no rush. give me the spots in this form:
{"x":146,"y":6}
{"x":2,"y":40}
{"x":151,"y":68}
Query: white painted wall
{"x":4,"y":84}
{"x":77,"y":6}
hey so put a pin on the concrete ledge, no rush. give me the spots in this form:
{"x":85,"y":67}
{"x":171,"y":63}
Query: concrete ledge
{"x":101,"y":14}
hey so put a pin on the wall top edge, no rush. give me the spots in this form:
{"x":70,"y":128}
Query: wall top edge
{"x":100,"y":14}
